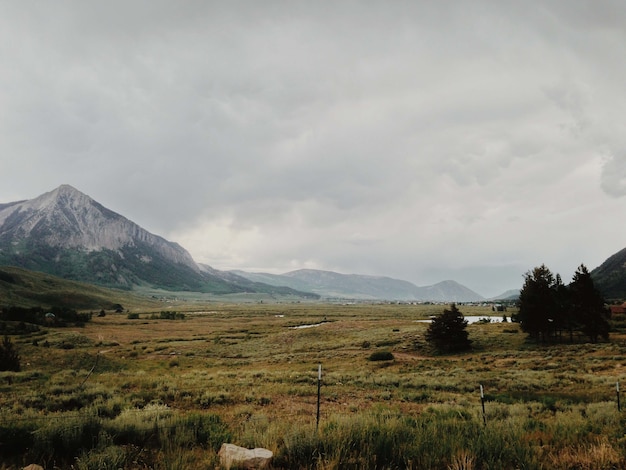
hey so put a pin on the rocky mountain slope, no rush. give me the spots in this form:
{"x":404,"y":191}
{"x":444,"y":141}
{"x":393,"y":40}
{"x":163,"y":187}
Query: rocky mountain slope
{"x":610,"y":277}
{"x":330,"y":284}
{"x":66,"y":233}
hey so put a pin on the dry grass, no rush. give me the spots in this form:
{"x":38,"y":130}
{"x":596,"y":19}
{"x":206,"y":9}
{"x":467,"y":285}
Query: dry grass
{"x":252,"y":367}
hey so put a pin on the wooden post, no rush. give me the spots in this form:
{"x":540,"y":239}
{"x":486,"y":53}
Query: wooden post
{"x":619,"y":407}
{"x":319,"y":389}
{"x":482,"y":402}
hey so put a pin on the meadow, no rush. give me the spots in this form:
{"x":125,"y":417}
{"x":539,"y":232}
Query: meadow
{"x":163,"y":388}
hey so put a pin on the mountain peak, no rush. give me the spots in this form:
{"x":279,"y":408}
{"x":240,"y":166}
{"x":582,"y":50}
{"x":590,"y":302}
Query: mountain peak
{"x":62,"y":217}
{"x":67,"y":192}
{"x":66,"y":188}
{"x":65,"y":196}
{"x":68,"y":221}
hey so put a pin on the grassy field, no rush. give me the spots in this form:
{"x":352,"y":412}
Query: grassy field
{"x":148,"y":392}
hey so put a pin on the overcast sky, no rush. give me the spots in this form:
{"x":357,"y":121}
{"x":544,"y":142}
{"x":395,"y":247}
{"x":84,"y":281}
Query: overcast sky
{"x":419,"y":140}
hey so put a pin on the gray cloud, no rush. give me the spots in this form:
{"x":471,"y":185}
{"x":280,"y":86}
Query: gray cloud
{"x":411,"y":139}
{"x":614,"y":175}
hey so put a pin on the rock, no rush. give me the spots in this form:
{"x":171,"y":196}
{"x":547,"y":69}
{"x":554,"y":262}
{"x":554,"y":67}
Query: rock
{"x":33,"y":466}
{"x":240,"y":457}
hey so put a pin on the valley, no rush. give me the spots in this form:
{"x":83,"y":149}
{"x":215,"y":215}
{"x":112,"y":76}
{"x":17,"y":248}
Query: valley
{"x":165,"y":393}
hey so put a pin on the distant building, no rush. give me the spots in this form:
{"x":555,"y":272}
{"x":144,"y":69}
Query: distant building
{"x":618,"y":309}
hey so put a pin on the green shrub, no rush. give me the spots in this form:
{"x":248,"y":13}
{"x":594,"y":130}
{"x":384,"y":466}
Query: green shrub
{"x":381,"y":356}
{"x":16,"y":437}
{"x":103,"y":458}
{"x":206,"y":430}
{"x":9,"y":358}
{"x":65,"y":438}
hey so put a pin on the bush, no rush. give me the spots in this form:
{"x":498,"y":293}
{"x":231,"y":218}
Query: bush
{"x":65,"y":438}
{"x":206,"y":430}
{"x":381,"y":356}
{"x":17,"y":437}
{"x":9,"y":358}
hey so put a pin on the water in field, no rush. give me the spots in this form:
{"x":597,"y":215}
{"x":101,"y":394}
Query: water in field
{"x":475,"y":319}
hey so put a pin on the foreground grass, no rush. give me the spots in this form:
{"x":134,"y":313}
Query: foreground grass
{"x":151,"y":393}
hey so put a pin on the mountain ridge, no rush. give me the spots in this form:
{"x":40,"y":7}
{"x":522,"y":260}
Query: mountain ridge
{"x":68,"y":234}
{"x":330,"y":284}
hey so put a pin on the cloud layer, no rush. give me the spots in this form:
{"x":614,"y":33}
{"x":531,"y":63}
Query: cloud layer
{"x":420,"y":140}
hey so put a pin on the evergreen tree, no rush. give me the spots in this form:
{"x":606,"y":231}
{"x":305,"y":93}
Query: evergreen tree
{"x":563,"y":318}
{"x":588,"y":306}
{"x":9,"y":359}
{"x":537,"y":304}
{"x":447,"y":332}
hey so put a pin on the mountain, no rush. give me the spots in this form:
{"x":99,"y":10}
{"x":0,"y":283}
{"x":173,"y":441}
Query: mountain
{"x":512,"y":294}
{"x":330,"y":284}
{"x":610,"y":277}
{"x":450,"y":291}
{"x":66,"y":233}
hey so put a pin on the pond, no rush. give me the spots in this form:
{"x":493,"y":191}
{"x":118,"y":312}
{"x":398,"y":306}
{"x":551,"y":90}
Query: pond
{"x":475,"y":319}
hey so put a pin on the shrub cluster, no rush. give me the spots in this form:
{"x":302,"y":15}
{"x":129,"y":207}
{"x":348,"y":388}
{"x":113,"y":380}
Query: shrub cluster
{"x":381,"y":356}
{"x":90,"y":441}
{"x":9,"y":358}
{"x":54,"y":316}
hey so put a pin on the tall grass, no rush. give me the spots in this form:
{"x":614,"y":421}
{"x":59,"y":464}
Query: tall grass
{"x":167,"y":394}
{"x":446,"y":437}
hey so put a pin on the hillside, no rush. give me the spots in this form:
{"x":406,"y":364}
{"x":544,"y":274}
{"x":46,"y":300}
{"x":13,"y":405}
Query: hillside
{"x":610,"y":277}
{"x":23,"y":288}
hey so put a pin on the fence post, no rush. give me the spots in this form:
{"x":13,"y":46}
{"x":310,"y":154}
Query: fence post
{"x":482,"y":402}
{"x":319,"y":389}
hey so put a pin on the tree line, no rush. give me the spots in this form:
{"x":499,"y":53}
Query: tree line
{"x":552,"y":311}
{"x":60,"y":316}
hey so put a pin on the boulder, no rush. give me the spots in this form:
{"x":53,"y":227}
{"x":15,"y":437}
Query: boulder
{"x":231,"y":455}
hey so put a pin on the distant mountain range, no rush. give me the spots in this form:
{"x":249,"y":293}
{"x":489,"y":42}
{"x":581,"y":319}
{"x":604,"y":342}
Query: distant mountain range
{"x":330,"y":284}
{"x":67,"y":234}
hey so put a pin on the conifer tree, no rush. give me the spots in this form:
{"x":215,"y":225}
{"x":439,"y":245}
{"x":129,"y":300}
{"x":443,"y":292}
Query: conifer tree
{"x":537,"y":304}
{"x":588,"y":306}
{"x":447,"y":332}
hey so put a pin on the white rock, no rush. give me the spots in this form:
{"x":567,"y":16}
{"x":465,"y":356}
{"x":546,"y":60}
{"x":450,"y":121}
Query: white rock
{"x":232,"y":455}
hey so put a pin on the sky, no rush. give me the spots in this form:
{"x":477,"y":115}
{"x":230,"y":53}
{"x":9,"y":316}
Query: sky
{"x":418,"y":140}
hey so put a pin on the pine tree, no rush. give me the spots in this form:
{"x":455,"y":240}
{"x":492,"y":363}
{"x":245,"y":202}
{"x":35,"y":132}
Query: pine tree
{"x":9,"y":359}
{"x":537,"y":304}
{"x":447,"y":332}
{"x":588,"y":306}
{"x":563,"y":318}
